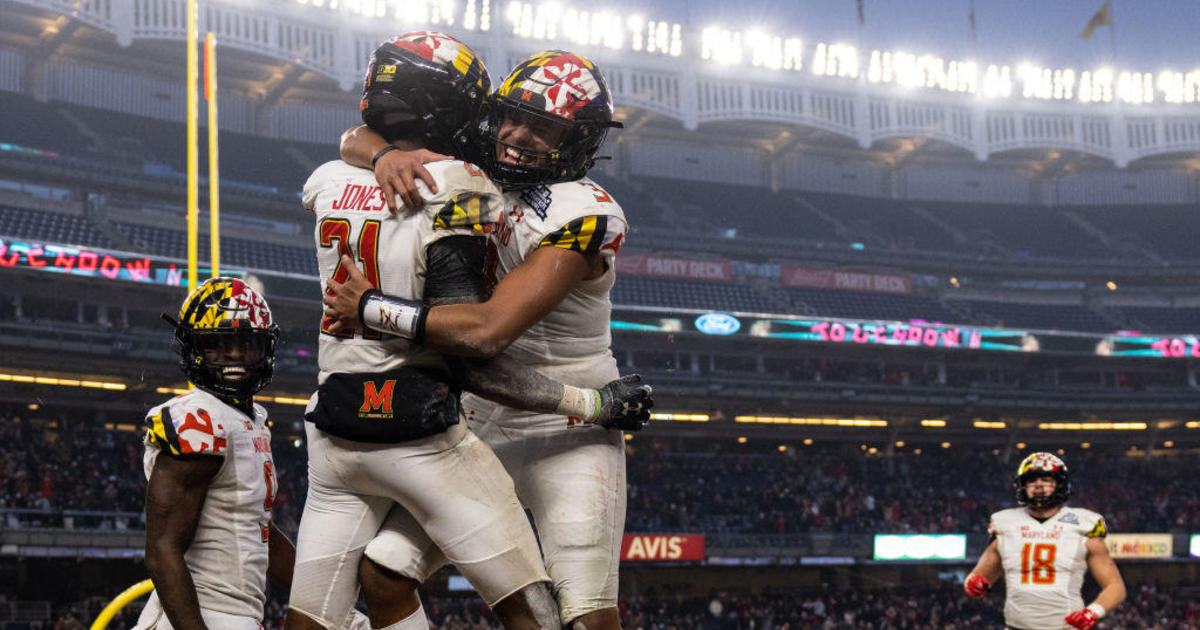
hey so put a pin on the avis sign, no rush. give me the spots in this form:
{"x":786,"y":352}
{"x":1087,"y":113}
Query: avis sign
{"x":662,"y":548}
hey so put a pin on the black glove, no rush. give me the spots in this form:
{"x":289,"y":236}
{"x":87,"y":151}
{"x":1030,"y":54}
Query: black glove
{"x":625,"y":404}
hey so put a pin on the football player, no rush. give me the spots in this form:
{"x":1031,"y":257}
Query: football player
{"x":210,"y":543}
{"x":384,"y":424}
{"x":1043,"y":549}
{"x":552,"y":259}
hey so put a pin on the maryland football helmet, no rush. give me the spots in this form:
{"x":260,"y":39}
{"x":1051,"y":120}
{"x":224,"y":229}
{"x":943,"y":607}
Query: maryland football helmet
{"x":1043,"y":465}
{"x":226,"y":337}
{"x":429,"y":85}
{"x":564,"y":99}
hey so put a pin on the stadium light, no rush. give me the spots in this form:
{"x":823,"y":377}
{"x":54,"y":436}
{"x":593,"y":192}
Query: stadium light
{"x":1020,"y":446}
{"x":933,"y":423}
{"x":1092,"y":426}
{"x":1193,"y":424}
{"x":986,"y":424}
{"x":62,"y":382}
{"x":681,"y":417}
{"x":839,"y":422}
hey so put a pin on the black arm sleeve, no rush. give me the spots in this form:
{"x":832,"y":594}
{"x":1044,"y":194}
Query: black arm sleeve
{"x":454,"y":270}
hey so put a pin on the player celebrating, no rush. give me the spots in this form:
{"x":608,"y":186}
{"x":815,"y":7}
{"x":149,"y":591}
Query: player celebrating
{"x":210,"y":543}
{"x":1043,"y":550}
{"x":553,"y":258}
{"x":384,"y":425}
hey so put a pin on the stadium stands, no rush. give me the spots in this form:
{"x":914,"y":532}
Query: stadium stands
{"x":696,"y":485}
{"x":694,"y":294}
{"x":1148,"y":607}
{"x":1041,"y":316}
{"x":237,"y":252}
{"x":862,"y":305}
{"x":53,"y":227}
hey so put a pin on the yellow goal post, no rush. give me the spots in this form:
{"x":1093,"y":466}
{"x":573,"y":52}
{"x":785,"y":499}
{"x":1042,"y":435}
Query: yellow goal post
{"x":121,"y":601}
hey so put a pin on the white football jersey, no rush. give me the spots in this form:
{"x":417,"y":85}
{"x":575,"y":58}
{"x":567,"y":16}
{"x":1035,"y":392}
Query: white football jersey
{"x":571,"y":344}
{"x":1044,"y":563}
{"x":352,"y":217}
{"x":228,"y":554}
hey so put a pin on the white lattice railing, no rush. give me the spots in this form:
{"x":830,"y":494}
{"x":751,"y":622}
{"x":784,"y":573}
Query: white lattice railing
{"x":679,"y":88}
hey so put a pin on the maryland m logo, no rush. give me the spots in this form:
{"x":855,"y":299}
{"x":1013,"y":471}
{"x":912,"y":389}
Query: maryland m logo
{"x":377,"y":402}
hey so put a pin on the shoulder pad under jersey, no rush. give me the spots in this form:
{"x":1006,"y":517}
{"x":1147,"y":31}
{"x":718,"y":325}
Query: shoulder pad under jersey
{"x":466,"y":197}
{"x":323,"y":176}
{"x":190,"y":424}
{"x":581,"y":216}
{"x":1091,"y":523}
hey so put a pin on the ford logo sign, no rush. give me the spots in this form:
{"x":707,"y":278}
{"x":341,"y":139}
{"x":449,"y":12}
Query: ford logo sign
{"x":718,"y":324}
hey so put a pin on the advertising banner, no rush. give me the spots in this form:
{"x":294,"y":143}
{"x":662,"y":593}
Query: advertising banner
{"x":920,"y":547}
{"x":662,"y":548}
{"x":669,"y":267}
{"x":1140,"y":545}
{"x":793,"y":276}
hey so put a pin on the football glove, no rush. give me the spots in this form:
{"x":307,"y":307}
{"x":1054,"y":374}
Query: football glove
{"x":976,"y":585}
{"x":1086,"y":618}
{"x":625,"y":404}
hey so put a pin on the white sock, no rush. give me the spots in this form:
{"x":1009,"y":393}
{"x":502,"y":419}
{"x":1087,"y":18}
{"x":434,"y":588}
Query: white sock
{"x":415,"y":621}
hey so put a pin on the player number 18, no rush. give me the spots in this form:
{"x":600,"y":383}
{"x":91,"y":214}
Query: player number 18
{"x":1042,"y":569}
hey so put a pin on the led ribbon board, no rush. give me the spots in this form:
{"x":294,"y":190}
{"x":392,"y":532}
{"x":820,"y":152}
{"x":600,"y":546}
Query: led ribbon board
{"x":93,"y":263}
{"x":1133,"y":345}
{"x":896,"y":547}
{"x":895,"y":334}
{"x":844,"y":331}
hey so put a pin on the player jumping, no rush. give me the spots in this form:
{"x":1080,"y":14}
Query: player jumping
{"x":553,"y":260}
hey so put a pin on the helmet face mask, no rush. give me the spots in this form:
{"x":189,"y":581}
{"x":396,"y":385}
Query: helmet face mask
{"x":426,"y":86}
{"x":546,"y":121}
{"x":1041,"y":466}
{"x":226,"y":338}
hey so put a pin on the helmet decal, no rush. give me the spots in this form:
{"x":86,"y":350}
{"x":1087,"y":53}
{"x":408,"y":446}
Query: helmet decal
{"x":1039,"y":465}
{"x":426,"y":86}
{"x":564,"y":82}
{"x":1040,"y":462}
{"x":564,"y":100}
{"x":225,"y":302}
{"x":226,"y":318}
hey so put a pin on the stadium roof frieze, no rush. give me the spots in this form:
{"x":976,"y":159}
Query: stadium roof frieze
{"x":699,"y":76}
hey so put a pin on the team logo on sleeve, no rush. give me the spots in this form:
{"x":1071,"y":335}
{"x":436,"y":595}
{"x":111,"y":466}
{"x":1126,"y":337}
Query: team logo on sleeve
{"x":1099,"y":530}
{"x":585,"y":235}
{"x":463,"y":211}
{"x":196,"y":434}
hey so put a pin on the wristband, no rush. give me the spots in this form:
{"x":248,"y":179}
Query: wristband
{"x":382,"y":152}
{"x":393,"y":315}
{"x":1097,"y":609}
{"x":578,"y":402}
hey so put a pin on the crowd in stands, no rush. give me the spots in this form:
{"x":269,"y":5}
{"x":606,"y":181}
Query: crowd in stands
{"x":841,"y":489}
{"x":687,"y":485}
{"x":936,"y":608}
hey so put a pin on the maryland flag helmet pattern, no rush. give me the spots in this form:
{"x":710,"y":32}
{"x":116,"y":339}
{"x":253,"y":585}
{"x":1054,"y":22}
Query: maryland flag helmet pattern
{"x":426,"y":85}
{"x":565,"y":96}
{"x":1043,"y":465}
{"x":226,"y":338}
